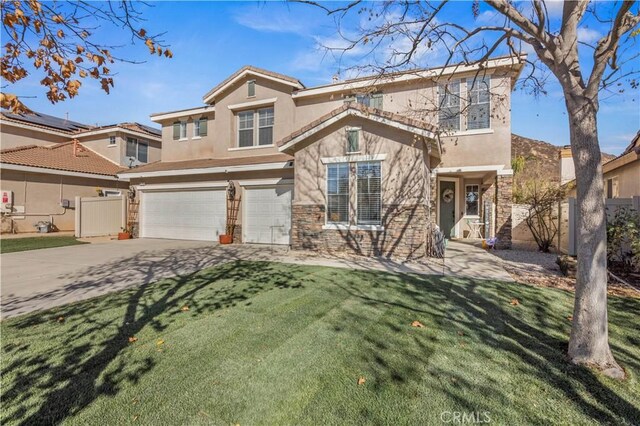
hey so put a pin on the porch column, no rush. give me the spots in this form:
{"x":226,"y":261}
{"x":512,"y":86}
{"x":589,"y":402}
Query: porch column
{"x":504,"y":200}
{"x":433,"y":197}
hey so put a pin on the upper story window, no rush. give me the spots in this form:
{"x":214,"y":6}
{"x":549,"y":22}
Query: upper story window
{"x":338,"y":193}
{"x":180,"y":130}
{"x":137,"y":149}
{"x":353,"y":140}
{"x":183,"y":130}
{"x":478,"y":110}
{"x":371,"y":100}
{"x":449,"y":105}
{"x":250,"y":134}
{"x":251,"y":88}
{"x":199,"y":127}
{"x":112,"y":140}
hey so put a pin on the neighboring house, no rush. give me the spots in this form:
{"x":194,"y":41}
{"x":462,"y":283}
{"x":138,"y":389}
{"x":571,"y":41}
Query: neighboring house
{"x":38,"y":179}
{"x":621,"y":174}
{"x":360,"y":165}
{"x":126,"y":144}
{"x":45,"y":160}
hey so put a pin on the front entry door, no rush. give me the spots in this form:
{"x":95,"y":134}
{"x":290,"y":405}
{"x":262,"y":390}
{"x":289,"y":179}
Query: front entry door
{"x":447,"y":207}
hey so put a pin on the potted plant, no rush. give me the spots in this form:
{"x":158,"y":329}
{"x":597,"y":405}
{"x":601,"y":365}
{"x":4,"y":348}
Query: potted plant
{"x":227,"y":238}
{"x":125,"y":234}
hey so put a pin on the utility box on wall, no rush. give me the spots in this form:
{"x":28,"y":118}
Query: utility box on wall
{"x":7,"y":201}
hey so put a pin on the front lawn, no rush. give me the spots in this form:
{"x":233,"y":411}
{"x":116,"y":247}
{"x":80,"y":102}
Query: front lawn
{"x":10,"y":245}
{"x":268,"y":343}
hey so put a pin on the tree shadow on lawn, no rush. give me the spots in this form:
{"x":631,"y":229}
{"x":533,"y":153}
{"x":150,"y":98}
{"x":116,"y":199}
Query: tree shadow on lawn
{"x":86,"y":359}
{"x":536,"y":337}
{"x":78,"y":365}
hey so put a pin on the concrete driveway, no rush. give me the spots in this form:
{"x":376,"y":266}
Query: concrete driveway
{"x":41,"y":279}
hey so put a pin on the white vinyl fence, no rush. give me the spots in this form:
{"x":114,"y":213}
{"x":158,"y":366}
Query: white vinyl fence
{"x":567,"y":233}
{"x":98,"y":216}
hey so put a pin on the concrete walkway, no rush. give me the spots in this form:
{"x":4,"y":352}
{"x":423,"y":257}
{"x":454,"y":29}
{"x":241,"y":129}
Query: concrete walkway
{"x":42,"y":279}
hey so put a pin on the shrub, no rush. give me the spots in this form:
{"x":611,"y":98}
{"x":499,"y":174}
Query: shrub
{"x":623,"y":238}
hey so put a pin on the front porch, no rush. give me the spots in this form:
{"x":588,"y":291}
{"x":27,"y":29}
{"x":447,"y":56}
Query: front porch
{"x":473,"y":203}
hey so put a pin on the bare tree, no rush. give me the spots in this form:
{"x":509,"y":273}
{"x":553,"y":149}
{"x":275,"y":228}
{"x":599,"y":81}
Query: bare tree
{"x":58,"y":39}
{"x":422,"y":24}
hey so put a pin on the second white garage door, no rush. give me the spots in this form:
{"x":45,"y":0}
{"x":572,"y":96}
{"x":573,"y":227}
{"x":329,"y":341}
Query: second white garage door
{"x":267,"y":215}
{"x":183,"y":215}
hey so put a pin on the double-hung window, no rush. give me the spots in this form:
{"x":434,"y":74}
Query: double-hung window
{"x":478,"y":111}
{"x":183,"y":130}
{"x":472,"y":199}
{"x":137,"y":149}
{"x":369,"y":206}
{"x":249,"y":133}
{"x":265,"y":126}
{"x":449,"y":105}
{"x":199,"y":127}
{"x":371,"y":100}
{"x":338,"y":193}
{"x":245,"y":128}
{"x":112,"y":140}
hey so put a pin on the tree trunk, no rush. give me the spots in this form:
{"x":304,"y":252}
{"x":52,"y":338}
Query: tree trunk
{"x":589,"y":340}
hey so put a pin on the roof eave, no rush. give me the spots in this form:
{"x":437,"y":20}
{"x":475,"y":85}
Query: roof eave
{"x":211,"y":95}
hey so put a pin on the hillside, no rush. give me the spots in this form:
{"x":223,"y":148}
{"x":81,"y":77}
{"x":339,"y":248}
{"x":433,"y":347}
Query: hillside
{"x":544,"y":153}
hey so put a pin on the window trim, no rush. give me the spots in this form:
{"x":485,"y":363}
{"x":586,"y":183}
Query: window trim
{"x":327,"y":222}
{"x":466,"y":185}
{"x":255,"y":129}
{"x":357,"y":219}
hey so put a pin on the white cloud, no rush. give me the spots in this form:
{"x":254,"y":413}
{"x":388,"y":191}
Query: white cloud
{"x":588,"y":35}
{"x":271,"y":20}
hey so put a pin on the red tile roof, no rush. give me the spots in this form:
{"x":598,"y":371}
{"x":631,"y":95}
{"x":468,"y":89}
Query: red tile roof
{"x":356,"y":107}
{"x":226,"y":81}
{"x":60,"y":157}
{"x":161,"y":166}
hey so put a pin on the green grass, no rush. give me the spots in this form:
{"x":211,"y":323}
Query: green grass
{"x":10,"y":245}
{"x":267,"y":343}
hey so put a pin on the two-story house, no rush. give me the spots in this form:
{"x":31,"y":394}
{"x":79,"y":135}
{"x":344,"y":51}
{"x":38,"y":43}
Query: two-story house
{"x":45,"y":160}
{"x":368,"y":165}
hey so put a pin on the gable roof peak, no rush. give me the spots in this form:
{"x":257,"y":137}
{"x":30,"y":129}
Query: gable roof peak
{"x":210,"y":96}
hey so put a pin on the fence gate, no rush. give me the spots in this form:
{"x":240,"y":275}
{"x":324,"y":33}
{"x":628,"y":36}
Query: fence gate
{"x":98,"y":216}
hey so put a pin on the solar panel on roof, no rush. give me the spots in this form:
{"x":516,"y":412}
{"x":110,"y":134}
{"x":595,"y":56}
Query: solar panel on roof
{"x":48,"y":121}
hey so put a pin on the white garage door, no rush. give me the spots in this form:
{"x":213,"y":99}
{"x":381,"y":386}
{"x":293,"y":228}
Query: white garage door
{"x":267,"y":215}
{"x":184,"y":214}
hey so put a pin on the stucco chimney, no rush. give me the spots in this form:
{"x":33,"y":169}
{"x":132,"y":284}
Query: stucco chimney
{"x":567,"y":169}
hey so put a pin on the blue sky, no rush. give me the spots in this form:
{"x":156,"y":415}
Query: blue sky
{"x":211,"y":40}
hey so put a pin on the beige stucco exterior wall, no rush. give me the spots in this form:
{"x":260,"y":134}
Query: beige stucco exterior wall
{"x":117,"y":152}
{"x":12,"y":137}
{"x":628,"y":179}
{"x":404,"y":170}
{"x":41,"y":193}
{"x":417,"y":99}
{"x":221,"y":139}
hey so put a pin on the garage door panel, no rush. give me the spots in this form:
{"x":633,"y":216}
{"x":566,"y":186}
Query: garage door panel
{"x":191,"y":215}
{"x":267,"y":214}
